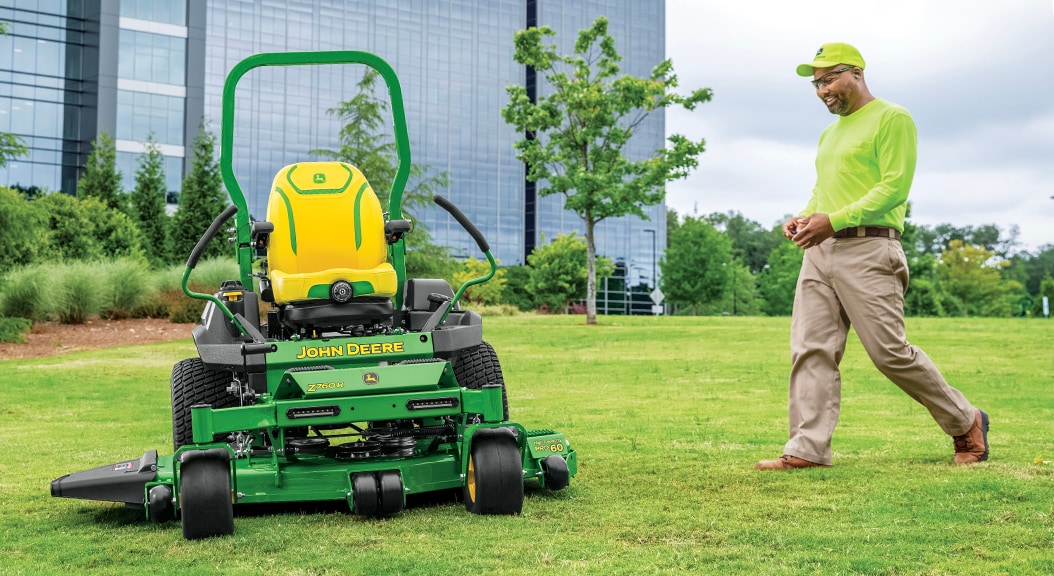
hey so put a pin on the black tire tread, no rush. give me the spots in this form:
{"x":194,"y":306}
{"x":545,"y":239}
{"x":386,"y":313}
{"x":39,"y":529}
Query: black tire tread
{"x":192,"y":384}
{"x":475,"y":367}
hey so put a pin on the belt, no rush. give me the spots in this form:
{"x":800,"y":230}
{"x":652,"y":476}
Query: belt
{"x":868,"y":231}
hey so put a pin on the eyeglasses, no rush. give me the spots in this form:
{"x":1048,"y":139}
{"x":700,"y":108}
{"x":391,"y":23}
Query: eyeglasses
{"x":828,"y":78}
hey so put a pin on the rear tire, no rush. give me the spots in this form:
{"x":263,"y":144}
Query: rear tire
{"x":193,"y":384}
{"x":205,"y":498}
{"x":494,"y":484}
{"x":479,"y":366}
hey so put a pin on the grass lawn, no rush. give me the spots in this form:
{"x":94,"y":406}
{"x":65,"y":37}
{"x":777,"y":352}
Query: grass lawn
{"x":668,"y":416}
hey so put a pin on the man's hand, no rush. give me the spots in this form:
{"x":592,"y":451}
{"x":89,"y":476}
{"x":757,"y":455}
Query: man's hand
{"x":790,"y":227}
{"x":811,"y":230}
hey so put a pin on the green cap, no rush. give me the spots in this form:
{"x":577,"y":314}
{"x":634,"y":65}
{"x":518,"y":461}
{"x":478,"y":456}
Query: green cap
{"x":832,"y":54}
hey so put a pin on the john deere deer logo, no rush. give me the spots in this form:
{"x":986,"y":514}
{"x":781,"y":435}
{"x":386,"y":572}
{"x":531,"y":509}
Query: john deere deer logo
{"x":319,"y":178}
{"x":370,"y":378}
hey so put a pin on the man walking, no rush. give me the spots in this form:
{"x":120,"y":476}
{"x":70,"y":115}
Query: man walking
{"x":854,"y":272}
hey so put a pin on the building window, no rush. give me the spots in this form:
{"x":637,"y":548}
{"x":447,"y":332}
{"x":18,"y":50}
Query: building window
{"x":152,"y":57}
{"x":140,"y":114}
{"x":167,"y":12}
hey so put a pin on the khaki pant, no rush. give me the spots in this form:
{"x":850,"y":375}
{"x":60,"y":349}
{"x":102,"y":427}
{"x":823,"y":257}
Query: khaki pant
{"x":858,"y":282}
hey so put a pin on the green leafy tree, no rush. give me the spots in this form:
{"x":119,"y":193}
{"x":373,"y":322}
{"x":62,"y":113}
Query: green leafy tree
{"x":751,"y":242}
{"x":971,"y":275}
{"x":201,"y":200}
{"x":22,"y":230}
{"x":741,"y":293}
{"x":148,"y":204}
{"x":778,"y":281}
{"x":576,"y":134}
{"x":367,"y":143}
{"x":923,"y":298}
{"x":11,"y":146}
{"x":101,"y":178}
{"x":515,"y":292}
{"x":488,"y":292}
{"x":558,"y":272}
{"x":695,"y":266}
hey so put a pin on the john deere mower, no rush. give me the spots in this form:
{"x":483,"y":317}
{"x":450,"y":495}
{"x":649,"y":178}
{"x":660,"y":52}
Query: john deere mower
{"x":356,"y":384}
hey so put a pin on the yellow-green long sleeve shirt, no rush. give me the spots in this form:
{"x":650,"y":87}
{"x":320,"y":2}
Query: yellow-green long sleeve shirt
{"x":864,"y":166}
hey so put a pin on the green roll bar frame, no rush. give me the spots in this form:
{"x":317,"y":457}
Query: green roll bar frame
{"x":402,"y":141}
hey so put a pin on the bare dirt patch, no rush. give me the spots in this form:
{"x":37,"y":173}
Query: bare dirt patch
{"x":51,"y":338}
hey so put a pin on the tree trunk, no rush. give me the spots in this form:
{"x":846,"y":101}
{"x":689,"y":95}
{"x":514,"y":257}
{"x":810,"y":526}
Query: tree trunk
{"x":591,"y":277}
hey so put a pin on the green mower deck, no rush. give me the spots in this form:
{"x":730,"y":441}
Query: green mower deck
{"x":346,"y":392}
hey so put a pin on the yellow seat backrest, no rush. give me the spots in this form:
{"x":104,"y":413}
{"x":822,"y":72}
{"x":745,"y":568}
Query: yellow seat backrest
{"x":328,"y":226}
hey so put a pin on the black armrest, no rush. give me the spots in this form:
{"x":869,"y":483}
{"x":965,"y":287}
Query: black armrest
{"x":394,"y":230}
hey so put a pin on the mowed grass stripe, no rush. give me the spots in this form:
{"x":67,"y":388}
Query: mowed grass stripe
{"x":668,"y":416}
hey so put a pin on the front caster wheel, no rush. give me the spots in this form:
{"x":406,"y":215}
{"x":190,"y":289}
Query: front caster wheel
{"x":494,"y":484}
{"x":205,"y":498}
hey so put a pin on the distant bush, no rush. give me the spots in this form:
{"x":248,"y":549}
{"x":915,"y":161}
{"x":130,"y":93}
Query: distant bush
{"x":27,"y":293}
{"x":77,"y":296}
{"x":492,"y":309}
{"x":14,"y":329}
{"x":206,"y":278}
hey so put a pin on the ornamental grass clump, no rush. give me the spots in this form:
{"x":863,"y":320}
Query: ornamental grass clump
{"x":78,"y":296}
{"x":126,"y":285}
{"x":27,"y":293}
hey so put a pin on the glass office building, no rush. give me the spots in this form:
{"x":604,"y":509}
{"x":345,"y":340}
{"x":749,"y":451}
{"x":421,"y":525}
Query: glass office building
{"x":134,"y":68}
{"x":73,"y":69}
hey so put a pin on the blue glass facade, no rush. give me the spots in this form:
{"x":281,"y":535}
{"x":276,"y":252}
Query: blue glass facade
{"x":47,"y":97}
{"x":454,"y":59}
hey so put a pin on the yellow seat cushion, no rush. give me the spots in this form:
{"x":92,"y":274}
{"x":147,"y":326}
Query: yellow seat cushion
{"x":328,"y":226}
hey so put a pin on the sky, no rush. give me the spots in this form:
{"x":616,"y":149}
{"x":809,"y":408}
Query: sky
{"x":976,"y":75}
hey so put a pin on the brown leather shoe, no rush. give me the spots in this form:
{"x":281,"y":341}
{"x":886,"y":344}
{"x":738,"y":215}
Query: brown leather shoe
{"x":787,"y":462}
{"x":972,"y":447}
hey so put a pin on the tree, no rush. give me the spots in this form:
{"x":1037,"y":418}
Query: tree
{"x":778,"y":281}
{"x":558,"y":272}
{"x":11,"y":146}
{"x":969,"y":273}
{"x":367,"y":144}
{"x":101,"y":178}
{"x":201,"y":200}
{"x":751,"y":242}
{"x":148,"y":204}
{"x":515,"y":292}
{"x":741,"y":292}
{"x":576,"y":135}
{"x":695,"y":265}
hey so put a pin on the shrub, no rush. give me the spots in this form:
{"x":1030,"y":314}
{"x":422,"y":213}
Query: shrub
{"x":77,"y":292}
{"x":127,"y":284}
{"x":14,"y":329}
{"x":206,"y":278}
{"x":492,"y":309}
{"x":27,"y":294}
{"x":22,"y":230}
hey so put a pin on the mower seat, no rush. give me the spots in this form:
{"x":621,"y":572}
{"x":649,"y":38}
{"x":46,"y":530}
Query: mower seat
{"x":328,"y":227}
